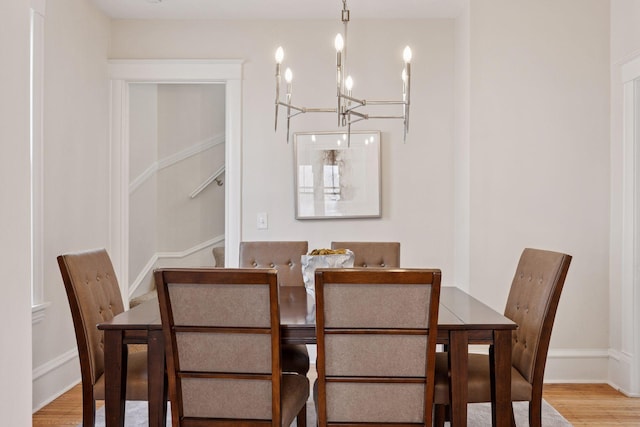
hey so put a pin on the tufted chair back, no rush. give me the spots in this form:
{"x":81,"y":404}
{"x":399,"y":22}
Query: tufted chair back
{"x":222,"y":340}
{"x":377,"y":333}
{"x":532,"y":303}
{"x":281,"y":255}
{"x":372,"y":254}
{"x":218,"y":255}
{"x":94,"y":297}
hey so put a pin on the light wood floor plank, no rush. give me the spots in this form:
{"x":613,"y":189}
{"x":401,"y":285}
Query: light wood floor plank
{"x":593,"y":404}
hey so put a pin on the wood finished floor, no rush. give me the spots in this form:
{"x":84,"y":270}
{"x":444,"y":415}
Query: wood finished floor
{"x":593,"y":404}
{"x":581,"y":404}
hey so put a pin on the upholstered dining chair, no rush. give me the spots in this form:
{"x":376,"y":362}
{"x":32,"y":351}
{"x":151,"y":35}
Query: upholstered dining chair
{"x":222,"y":340}
{"x":532,"y":304}
{"x":218,"y":255}
{"x":94,"y":297}
{"x":372,"y":254}
{"x":284,"y":256}
{"x":363,"y":316}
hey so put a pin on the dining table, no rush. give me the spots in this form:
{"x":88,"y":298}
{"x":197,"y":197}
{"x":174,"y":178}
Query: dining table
{"x":462,"y":320}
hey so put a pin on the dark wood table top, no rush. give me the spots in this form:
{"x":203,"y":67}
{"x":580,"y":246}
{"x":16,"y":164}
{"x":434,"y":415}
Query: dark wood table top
{"x":458,"y":310}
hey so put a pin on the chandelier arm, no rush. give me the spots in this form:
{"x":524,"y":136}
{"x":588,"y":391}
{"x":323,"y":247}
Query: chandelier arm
{"x":292,"y":107}
{"x":311,"y":110}
{"x":307,"y":110}
{"x":292,"y":115}
{"x":385,"y":117}
{"x":355,"y":121}
{"x":364,"y":116}
{"x":353,"y":109}
{"x":381,"y":102}
{"x":352,"y":99}
{"x":320,"y":110}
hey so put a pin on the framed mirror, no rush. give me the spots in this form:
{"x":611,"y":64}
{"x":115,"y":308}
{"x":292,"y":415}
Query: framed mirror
{"x":337,"y":176}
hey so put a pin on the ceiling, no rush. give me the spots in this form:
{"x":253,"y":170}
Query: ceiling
{"x":278,"y":9}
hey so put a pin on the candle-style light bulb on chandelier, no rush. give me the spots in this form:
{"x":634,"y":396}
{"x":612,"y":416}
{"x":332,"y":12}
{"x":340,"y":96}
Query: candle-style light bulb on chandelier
{"x":349,"y":109}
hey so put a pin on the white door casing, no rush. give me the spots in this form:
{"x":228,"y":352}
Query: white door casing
{"x":124,"y":72}
{"x":630,"y":283}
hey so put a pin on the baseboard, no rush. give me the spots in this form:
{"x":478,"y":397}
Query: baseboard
{"x":571,"y":365}
{"x":577,"y":366}
{"x":621,"y":373}
{"x":48,"y":377}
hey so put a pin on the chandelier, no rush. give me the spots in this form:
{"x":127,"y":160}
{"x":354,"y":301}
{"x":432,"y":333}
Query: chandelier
{"x":349,"y":109}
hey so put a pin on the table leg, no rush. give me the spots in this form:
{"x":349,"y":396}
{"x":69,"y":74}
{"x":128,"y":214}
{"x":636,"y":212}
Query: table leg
{"x":500,"y":358}
{"x":157,"y":379}
{"x":115,"y":377}
{"x":458,"y":367}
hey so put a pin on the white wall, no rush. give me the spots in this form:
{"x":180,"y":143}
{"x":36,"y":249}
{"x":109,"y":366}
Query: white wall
{"x":539,"y":162}
{"x":462,"y":144}
{"x":419,"y":218}
{"x":76,"y":175}
{"x":15,"y":316}
{"x":625,"y":45}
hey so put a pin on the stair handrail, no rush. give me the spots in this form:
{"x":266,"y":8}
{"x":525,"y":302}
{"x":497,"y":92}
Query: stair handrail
{"x":205,"y":184}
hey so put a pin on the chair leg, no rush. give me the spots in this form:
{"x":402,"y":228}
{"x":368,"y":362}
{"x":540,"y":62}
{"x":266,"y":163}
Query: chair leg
{"x":513,"y":418}
{"x":88,"y":406}
{"x":535,"y":413}
{"x":301,"y":418}
{"x":88,"y":411}
{"x":439,"y":415}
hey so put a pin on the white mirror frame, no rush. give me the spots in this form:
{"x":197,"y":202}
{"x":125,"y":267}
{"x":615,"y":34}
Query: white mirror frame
{"x":124,"y":72}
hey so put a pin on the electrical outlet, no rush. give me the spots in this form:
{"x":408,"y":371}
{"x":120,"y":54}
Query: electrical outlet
{"x":262,"y":221}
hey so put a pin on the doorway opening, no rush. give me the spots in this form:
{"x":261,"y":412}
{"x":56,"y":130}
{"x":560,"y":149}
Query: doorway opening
{"x":177,"y":172}
{"x":126,"y":78}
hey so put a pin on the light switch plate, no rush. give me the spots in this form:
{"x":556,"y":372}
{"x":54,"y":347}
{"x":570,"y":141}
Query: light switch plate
{"x":262,"y":221}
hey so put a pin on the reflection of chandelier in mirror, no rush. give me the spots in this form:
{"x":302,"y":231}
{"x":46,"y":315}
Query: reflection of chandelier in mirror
{"x":349,"y":108}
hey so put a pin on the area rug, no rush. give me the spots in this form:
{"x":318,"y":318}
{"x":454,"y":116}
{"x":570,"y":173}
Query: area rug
{"x":478,"y":415}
